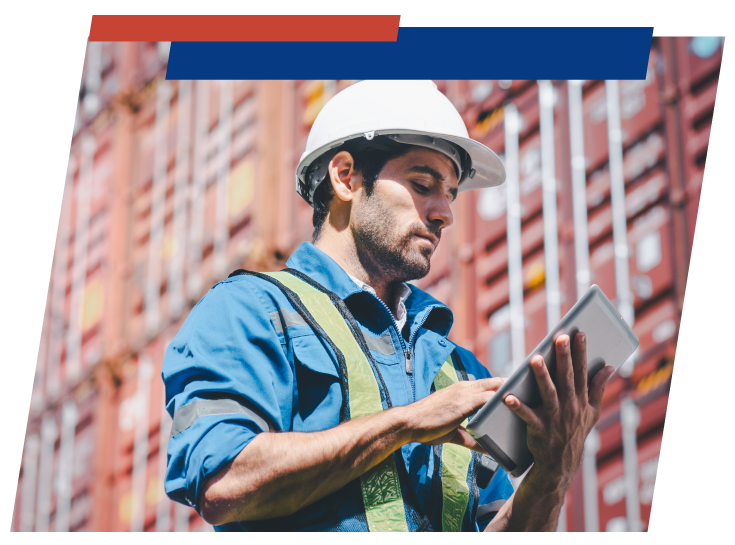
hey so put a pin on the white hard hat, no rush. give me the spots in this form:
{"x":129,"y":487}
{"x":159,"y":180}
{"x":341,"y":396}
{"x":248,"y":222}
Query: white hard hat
{"x":409,"y":112}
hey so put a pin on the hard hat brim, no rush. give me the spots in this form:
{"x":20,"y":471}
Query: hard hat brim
{"x":487,"y":166}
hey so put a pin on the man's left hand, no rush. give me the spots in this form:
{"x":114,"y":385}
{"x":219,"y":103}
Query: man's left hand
{"x":558,"y":427}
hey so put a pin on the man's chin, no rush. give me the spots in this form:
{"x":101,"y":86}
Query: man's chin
{"x":418,"y":268}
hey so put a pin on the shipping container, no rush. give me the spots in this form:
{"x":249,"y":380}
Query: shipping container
{"x":612,"y":488}
{"x":651,"y":240}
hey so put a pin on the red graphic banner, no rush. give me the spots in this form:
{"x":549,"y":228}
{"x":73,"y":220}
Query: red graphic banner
{"x":244,"y":28}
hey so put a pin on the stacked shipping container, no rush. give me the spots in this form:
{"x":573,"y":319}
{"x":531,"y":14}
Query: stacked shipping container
{"x":159,"y":205}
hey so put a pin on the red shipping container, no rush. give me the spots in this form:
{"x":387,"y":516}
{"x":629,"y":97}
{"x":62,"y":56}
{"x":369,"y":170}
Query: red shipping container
{"x":491,"y":264}
{"x":699,"y":58}
{"x":534,"y":311}
{"x":697,"y":112}
{"x":639,"y":109}
{"x":648,"y":256}
{"x":611,"y":485}
{"x":650,"y":266}
{"x":638,"y":161}
{"x":491,"y":202}
{"x":657,"y":326}
{"x":692,"y":211}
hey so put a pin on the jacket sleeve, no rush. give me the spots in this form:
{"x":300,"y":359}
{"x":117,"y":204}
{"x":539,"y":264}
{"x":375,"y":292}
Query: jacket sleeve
{"x":227,"y":379}
{"x":500,"y":488}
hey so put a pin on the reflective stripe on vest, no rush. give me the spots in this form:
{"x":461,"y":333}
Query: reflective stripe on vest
{"x":381,"y":489}
{"x":455,"y":465}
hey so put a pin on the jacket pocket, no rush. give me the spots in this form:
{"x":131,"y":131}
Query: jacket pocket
{"x":309,"y":351}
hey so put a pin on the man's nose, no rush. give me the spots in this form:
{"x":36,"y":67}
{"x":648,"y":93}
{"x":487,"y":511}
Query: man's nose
{"x":440,"y":213}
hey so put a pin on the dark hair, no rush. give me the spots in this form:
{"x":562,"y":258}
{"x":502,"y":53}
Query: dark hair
{"x":370,"y":157}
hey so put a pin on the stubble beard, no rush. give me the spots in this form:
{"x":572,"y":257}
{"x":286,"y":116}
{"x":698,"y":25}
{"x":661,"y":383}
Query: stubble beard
{"x":380,"y":248}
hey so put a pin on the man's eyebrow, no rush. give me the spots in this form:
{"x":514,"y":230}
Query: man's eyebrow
{"x":425,"y":169}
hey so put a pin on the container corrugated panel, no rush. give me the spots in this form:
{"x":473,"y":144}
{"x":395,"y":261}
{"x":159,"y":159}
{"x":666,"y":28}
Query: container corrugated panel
{"x":491,"y":219}
{"x":638,"y":160}
{"x":239,"y":179}
{"x":611,"y":498}
{"x":127,"y":500}
{"x":491,"y":202}
{"x":640,"y":113}
{"x":697,"y":113}
{"x":484,"y":95}
{"x":93,"y":256}
{"x":96,"y":232}
{"x":698,"y":59}
{"x":650,"y":391}
{"x":692,"y":208}
{"x":493,"y":263}
{"x":441,"y":289}
{"x":492,"y":274}
{"x":490,"y":228}
{"x":651,"y":377}
{"x":75,"y":474}
{"x":650,"y":259}
{"x":484,"y":113}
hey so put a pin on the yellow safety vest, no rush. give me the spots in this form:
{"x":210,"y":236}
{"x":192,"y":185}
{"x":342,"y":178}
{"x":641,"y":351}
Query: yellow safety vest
{"x":381,"y":489}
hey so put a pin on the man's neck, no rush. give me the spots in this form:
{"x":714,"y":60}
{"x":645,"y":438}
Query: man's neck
{"x":340,"y":246}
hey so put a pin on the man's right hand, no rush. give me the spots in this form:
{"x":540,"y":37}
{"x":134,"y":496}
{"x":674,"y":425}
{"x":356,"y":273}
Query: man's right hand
{"x":437,"y":418}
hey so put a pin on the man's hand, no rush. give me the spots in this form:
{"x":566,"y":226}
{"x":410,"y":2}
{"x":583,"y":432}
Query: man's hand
{"x":557,"y":429}
{"x":437,"y":418}
{"x":556,"y":433}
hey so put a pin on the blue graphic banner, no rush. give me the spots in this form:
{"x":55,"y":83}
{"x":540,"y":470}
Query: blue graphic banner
{"x":428,"y":53}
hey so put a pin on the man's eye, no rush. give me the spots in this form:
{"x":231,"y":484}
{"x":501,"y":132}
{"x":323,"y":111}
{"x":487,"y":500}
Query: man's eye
{"x":421,"y":189}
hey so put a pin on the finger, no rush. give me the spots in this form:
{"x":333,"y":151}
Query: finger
{"x":491,"y":384}
{"x":472,"y":403}
{"x":579,"y":361}
{"x":464,"y":439}
{"x":546,"y":387}
{"x":597,"y":387}
{"x":523,"y":412}
{"x":564,"y":369}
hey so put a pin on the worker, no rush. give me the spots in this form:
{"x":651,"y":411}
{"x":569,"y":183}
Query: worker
{"x":327,"y":396}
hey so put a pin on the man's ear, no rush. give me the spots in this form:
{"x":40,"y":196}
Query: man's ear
{"x":345,"y":180}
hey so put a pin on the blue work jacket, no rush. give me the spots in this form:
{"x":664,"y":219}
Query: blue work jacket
{"x":244,"y":363}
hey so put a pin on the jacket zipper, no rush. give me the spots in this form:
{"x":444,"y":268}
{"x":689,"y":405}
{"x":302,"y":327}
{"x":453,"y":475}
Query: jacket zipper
{"x":416,"y":329}
{"x":406,"y":351}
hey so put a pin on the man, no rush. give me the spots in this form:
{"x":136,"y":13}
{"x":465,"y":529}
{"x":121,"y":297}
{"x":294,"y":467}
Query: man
{"x":328,"y":397}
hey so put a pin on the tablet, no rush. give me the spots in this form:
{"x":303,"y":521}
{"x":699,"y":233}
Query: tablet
{"x":610,"y":341}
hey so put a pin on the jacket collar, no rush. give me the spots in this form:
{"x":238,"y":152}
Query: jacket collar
{"x":323,"y":269}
